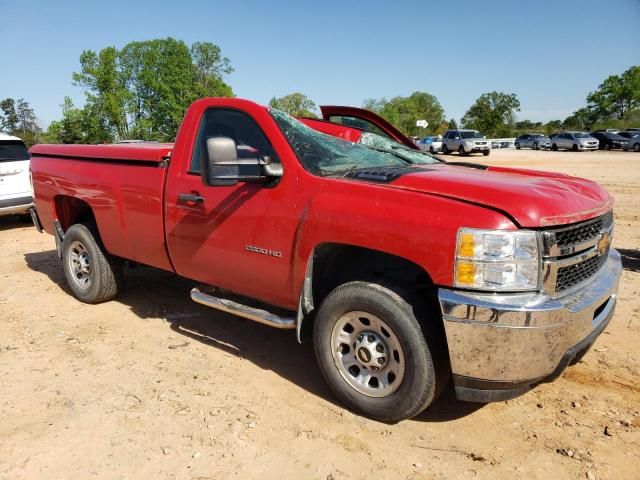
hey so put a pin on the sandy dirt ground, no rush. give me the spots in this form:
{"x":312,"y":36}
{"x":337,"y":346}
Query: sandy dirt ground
{"x":151,"y":385}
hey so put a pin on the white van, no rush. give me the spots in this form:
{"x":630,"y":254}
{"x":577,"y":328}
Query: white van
{"x":15,"y":186}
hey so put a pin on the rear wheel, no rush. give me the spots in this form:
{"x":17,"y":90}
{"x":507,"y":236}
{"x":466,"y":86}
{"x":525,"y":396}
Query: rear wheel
{"x":373,"y":353}
{"x":93,"y":275}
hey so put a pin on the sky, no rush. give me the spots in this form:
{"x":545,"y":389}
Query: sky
{"x":550,"y":53}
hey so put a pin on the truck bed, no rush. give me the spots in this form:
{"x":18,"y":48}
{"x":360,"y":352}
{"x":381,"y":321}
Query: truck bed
{"x":123,"y":185}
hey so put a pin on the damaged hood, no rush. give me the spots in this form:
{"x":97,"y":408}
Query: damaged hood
{"x":531,"y":198}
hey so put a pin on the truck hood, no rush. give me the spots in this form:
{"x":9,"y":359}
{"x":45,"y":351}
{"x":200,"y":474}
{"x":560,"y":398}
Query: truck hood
{"x":531,"y":198}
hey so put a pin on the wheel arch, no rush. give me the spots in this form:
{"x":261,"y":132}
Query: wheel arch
{"x":69,"y":210}
{"x":331,"y":264}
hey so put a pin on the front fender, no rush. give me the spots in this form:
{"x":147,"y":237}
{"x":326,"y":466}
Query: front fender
{"x":416,"y":226}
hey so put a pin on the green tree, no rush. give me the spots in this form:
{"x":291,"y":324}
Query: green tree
{"x":143,"y":90}
{"x":552,"y":126}
{"x":452,"y":125}
{"x":78,"y":125}
{"x":617,"y":95}
{"x":493,"y":114}
{"x":19,"y":119}
{"x":403,"y":112}
{"x":581,"y":119}
{"x":8,"y":117}
{"x":296,"y":104}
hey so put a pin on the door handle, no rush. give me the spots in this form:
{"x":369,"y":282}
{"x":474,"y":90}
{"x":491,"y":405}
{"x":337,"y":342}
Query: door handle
{"x":190,"y":197}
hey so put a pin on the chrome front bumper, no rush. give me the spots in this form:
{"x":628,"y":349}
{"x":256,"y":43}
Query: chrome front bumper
{"x":500,"y":345}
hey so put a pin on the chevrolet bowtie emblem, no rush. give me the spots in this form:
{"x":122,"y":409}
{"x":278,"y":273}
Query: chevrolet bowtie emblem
{"x":603,"y":243}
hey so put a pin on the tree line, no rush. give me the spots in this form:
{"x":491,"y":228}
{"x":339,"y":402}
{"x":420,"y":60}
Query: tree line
{"x":142,"y":91}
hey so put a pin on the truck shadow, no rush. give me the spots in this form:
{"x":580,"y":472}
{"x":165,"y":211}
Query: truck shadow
{"x":630,"y":259}
{"x":153,"y":294}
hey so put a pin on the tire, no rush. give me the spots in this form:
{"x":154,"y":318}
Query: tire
{"x":554,"y":147}
{"x":461,"y":150}
{"x":92,"y":274}
{"x":517,"y":146}
{"x":431,"y":150}
{"x":636,"y":147}
{"x":486,"y":153}
{"x":535,"y":146}
{"x":445,"y":149}
{"x":574,"y":148}
{"x":607,"y":146}
{"x":371,"y":315}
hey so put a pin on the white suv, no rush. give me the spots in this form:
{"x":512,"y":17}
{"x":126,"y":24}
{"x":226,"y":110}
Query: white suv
{"x":465,"y":142}
{"x":15,"y":186}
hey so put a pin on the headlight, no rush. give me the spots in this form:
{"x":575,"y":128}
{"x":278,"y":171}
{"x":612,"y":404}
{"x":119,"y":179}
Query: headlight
{"x":497,"y":260}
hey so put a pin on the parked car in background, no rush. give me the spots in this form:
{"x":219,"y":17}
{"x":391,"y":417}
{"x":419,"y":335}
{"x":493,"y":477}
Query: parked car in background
{"x":533,"y":140}
{"x":431,"y":144}
{"x":633,"y":140}
{"x":609,"y":140}
{"x":15,"y":186}
{"x":465,"y":142}
{"x":633,"y":130}
{"x":576,"y":141}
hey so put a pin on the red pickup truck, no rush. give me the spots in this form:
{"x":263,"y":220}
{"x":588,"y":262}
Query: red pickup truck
{"x":407,"y":272}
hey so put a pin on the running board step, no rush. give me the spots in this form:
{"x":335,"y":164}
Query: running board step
{"x":277,"y":317}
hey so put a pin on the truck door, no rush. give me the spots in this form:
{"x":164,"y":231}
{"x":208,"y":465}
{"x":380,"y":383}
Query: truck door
{"x":237,"y":237}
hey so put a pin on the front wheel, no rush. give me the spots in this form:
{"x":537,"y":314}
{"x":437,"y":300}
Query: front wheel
{"x":93,"y":275}
{"x":373,"y":353}
{"x":636,"y":147}
{"x":486,"y":153}
{"x":445,"y":149}
{"x":554,"y":147}
{"x":431,"y":150}
{"x":574,"y":148}
{"x":461,"y":150}
{"x":535,"y":146}
{"x":517,"y":146}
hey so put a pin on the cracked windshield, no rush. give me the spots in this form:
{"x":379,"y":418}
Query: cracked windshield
{"x":324,"y":154}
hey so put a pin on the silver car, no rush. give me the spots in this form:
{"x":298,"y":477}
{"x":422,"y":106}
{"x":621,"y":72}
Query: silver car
{"x":532,"y":140}
{"x":633,"y":138}
{"x":465,"y":142}
{"x":576,"y":141}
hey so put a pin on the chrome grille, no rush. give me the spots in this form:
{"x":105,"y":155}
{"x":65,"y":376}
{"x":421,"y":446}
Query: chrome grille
{"x":574,"y":253}
{"x":578,"y":273}
{"x":583,"y":232}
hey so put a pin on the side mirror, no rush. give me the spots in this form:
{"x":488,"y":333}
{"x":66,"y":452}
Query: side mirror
{"x":224,"y":168}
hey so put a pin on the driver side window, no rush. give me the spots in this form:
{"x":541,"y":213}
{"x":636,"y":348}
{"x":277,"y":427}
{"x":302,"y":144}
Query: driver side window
{"x":251,"y":142}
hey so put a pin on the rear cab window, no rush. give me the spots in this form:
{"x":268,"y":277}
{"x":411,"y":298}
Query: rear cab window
{"x":12,"y":151}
